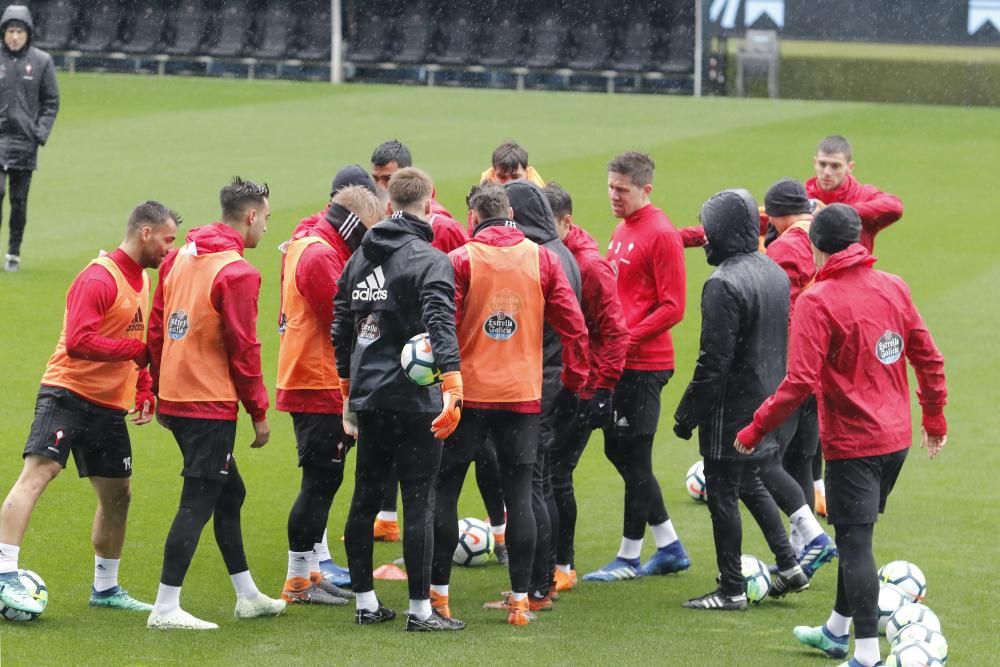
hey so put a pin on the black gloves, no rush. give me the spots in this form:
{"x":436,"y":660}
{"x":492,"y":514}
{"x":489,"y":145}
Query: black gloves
{"x":599,"y":411}
{"x":683,"y":431}
{"x":566,"y":404}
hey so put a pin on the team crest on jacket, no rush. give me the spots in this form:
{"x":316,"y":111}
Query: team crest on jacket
{"x":368,"y":330}
{"x":501,"y":324}
{"x":889,"y":347}
{"x":177,"y":325}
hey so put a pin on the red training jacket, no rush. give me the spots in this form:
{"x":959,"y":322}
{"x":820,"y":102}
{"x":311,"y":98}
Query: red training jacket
{"x":850,"y":333}
{"x":602,"y":312}
{"x":792,"y":251}
{"x":876,"y":209}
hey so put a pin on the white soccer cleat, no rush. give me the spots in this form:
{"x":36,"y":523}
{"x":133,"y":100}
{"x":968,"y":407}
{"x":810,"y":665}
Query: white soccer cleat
{"x":178,"y":619}
{"x":258,"y":606}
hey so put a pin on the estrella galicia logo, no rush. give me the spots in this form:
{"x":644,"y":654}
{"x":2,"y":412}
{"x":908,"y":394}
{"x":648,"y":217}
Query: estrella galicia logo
{"x":368,"y":330}
{"x":177,"y":325}
{"x":500,"y":326}
{"x":889,"y":347}
{"x":282,"y":323}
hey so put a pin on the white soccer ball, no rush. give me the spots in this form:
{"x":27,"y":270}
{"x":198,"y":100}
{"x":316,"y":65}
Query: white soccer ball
{"x":923,"y":633}
{"x":756,"y":578}
{"x":417,"y":361}
{"x":890,"y":598}
{"x":38,"y":590}
{"x":913,"y":654}
{"x":912,"y":612}
{"x":694,"y":482}
{"x":907,"y":577}
{"x":475,"y":542}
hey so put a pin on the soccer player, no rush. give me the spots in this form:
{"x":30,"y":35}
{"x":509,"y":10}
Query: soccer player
{"x":850,"y":333}
{"x":608,"y":341}
{"x":308,"y":385}
{"x":510,"y":163}
{"x":744,"y":334}
{"x":506,"y":289}
{"x":205,"y":359}
{"x":95,"y":376}
{"x":648,"y":257}
{"x":396,"y":287}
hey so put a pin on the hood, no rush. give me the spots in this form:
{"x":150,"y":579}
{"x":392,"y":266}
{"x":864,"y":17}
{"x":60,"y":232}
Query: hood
{"x":216,"y":237}
{"x":732,"y":225}
{"x":18,"y":13}
{"x":393,"y":233}
{"x":851,"y":256}
{"x":578,"y":240}
{"x":502,"y":234}
{"x":532,"y":212}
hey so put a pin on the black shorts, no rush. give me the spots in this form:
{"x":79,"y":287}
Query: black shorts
{"x":97,"y":436}
{"x":857,"y":489}
{"x":513,"y":434}
{"x":804,"y":442}
{"x":636,"y":402}
{"x":320,"y":439}
{"x":206,"y":444}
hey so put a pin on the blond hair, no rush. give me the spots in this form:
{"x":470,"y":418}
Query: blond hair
{"x":360,"y":201}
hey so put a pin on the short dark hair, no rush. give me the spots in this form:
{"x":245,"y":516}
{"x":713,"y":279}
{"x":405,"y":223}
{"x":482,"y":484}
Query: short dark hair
{"x":559,"y":200}
{"x":509,"y":156}
{"x":236,"y":197}
{"x":637,"y":166}
{"x":409,"y":186}
{"x":488,"y":200}
{"x":835,"y":144}
{"x":392,"y":151}
{"x":151,"y":213}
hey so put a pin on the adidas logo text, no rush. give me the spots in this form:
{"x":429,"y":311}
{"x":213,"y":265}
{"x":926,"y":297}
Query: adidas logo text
{"x":371,"y":288}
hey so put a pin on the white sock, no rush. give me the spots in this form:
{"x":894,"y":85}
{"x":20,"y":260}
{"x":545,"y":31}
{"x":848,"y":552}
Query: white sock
{"x":795,"y":540}
{"x":168,"y":598}
{"x":298,"y":564}
{"x":820,"y":486}
{"x":499,"y":530}
{"x":322,"y":550}
{"x":366,"y":601}
{"x":105,"y":573}
{"x":664,"y":534}
{"x":313,"y":560}
{"x":517,"y":597}
{"x":867,"y":651}
{"x":804,"y":521}
{"x":243,"y":583}
{"x":565,"y":569}
{"x":440,"y":590}
{"x":420,"y":608}
{"x":630,"y":548}
{"x":387,"y":516}
{"x":838,"y":625}
{"x":8,"y":557}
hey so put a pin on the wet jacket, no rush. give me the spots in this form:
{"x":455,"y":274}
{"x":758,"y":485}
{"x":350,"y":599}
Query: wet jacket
{"x":533,"y":216}
{"x":744,"y":330}
{"x":29,"y":97}
{"x":396,"y":287}
{"x":876,"y":209}
{"x":850,"y":332}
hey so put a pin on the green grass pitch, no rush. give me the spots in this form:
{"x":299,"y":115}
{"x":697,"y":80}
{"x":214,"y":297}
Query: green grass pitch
{"x":120,"y":140}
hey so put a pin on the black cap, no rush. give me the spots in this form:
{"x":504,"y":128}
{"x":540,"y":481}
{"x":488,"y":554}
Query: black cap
{"x":787,"y":197}
{"x":352,"y":174}
{"x":834,"y":228}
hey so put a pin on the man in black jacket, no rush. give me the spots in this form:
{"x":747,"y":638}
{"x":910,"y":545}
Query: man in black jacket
{"x":396,"y":287}
{"x":29,"y":101}
{"x":744,"y":310}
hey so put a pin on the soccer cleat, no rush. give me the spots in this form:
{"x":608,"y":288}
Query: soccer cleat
{"x":14,"y":595}
{"x":619,"y":569}
{"x":543,"y":603}
{"x":500,"y":551}
{"x":117,"y":598}
{"x":12,"y":264}
{"x":178,"y":619}
{"x":331,"y":569}
{"x":433,"y":623}
{"x":324,"y":584}
{"x":439,"y":603}
{"x":565,"y":581}
{"x":380,"y":615}
{"x":386,"y":531}
{"x":820,"y":551}
{"x":299,"y":590}
{"x":783,"y":584}
{"x":667,"y":560}
{"x":821,"y":638}
{"x":258,"y":606}
{"x":718,"y":601}
{"x":820,"y":502}
{"x":518,"y":612}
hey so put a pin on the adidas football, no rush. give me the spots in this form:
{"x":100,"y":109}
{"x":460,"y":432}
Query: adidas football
{"x":418,"y":361}
{"x":38,"y":590}
{"x":913,"y":612}
{"x":695,"y":482}
{"x":923,"y":633}
{"x":890,"y":598}
{"x":907,"y":577}
{"x":913,"y":654}
{"x":756,"y":578}
{"x":475,"y":542}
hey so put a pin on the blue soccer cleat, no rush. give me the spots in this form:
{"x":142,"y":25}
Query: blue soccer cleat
{"x":16,"y":596}
{"x":819,"y":637}
{"x":667,"y":560}
{"x":118,"y":598}
{"x":820,"y":551}
{"x":619,"y":569}
{"x":336,"y":575}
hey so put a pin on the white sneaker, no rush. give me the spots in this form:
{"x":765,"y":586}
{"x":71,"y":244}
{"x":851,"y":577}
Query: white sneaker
{"x":258,"y":606}
{"x":178,"y":619}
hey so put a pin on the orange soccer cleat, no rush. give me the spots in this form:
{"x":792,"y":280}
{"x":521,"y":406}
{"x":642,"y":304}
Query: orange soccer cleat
{"x":564,"y":581}
{"x":386,"y":531}
{"x":518,"y":612}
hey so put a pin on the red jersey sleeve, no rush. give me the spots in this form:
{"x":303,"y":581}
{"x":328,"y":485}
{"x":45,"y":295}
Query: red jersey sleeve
{"x":671,"y":288}
{"x":90,"y":296}
{"x":562,"y":313}
{"x":234,"y":296}
{"x":693,"y":237}
{"x":877,"y":209}
{"x":603,"y":311}
{"x":928,"y":365}
{"x":448,"y":234}
{"x":154,"y":332}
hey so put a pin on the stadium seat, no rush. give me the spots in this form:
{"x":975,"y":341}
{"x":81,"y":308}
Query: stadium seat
{"x":100,"y":26}
{"x":144,"y":29}
{"x":413,"y":37}
{"x":502,"y":42}
{"x":547,"y":39}
{"x":275,"y":29}
{"x":592,"y":47}
{"x":58,"y":25}
{"x":186,"y":28}
{"x":314,"y":35}
{"x":370,"y":42}
{"x":232,"y":27}
{"x":673,"y":50}
{"x":458,"y":41}
{"x":633,"y":46}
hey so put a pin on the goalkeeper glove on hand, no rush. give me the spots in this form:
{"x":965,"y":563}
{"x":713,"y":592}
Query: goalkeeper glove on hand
{"x":451,"y":393}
